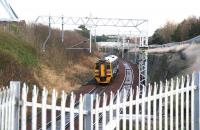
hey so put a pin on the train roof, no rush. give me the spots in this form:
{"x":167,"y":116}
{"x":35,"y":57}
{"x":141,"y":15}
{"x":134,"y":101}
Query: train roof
{"x":111,"y":58}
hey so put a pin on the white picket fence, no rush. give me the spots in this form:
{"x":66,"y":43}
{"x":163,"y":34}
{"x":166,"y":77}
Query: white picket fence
{"x":171,"y":105}
{"x":164,"y":106}
{"x":9,"y":107}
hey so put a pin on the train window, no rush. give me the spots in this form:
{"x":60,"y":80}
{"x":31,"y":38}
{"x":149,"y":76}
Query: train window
{"x":97,"y":66}
{"x":108,"y":66}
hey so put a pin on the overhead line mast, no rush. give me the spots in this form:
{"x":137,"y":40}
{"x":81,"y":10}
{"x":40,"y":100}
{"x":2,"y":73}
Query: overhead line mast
{"x":9,"y":10}
{"x":91,"y":22}
{"x":143,"y":61}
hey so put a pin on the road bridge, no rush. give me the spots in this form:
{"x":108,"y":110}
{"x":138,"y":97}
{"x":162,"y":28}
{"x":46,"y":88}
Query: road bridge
{"x":116,"y":45}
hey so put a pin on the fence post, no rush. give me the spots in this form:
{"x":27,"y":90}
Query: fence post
{"x":88,"y":105}
{"x":15,"y":85}
{"x":196,"y":122}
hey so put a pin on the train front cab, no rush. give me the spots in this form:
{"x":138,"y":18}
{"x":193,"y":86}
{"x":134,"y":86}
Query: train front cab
{"x":103,"y":72}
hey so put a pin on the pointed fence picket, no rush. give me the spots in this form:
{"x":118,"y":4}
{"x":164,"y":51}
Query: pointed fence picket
{"x":170,"y":105}
{"x":159,"y":107}
{"x":9,"y":107}
{"x":53,"y":107}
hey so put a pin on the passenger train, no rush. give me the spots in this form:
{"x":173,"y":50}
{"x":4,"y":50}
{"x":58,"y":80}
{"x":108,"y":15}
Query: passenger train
{"x":106,"y":69}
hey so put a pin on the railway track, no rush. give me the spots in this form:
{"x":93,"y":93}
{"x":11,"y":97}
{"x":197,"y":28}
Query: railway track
{"x":123,"y":91}
{"x":126,"y":85}
{"x":96,"y":90}
{"x":99,"y":91}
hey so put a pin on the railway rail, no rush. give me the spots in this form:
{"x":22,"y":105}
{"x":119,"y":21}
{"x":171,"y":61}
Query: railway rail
{"x":99,"y":90}
{"x":123,"y":91}
{"x":95,"y":90}
{"x":126,"y":84}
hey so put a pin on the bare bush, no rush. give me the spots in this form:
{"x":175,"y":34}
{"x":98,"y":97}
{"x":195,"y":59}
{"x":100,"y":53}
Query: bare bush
{"x":58,"y":65}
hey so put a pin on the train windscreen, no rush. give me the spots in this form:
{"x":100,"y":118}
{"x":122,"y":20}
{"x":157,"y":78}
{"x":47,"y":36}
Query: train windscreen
{"x":97,"y":66}
{"x":108,"y":66}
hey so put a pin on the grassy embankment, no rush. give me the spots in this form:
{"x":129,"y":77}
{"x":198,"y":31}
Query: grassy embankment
{"x":21,"y":58}
{"x":17,"y":58}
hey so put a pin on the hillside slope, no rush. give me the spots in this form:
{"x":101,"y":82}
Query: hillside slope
{"x":17,"y":59}
{"x":21,"y":58}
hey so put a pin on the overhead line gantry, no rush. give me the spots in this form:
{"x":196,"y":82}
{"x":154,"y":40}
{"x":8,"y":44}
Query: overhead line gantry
{"x":94,"y":22}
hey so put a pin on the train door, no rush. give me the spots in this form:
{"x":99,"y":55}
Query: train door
{"x":102,"y":72}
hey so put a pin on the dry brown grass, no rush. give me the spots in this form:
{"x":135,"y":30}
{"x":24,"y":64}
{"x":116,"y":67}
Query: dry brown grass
{"x":69,"y":79}
{"x":58,"y":68}
{"x":51,"y":79}
{"x":65,"y":69}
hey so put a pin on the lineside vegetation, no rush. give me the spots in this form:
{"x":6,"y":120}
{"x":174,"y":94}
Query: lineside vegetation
{"x":21,"y":57}
{"x":176,"y":32}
